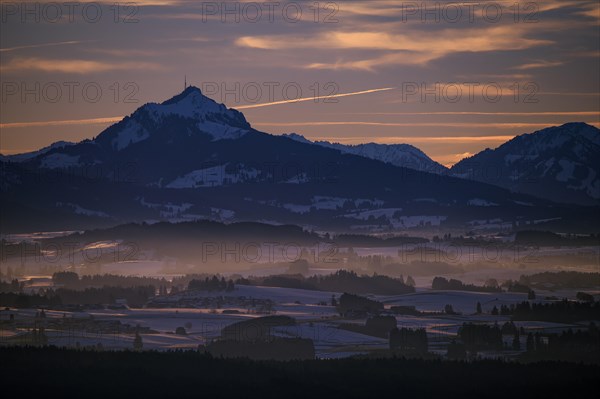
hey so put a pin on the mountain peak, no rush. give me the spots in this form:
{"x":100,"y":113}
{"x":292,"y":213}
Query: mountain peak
{"x":572,"y":129}
{"x":558,"y":162}
{"x":191,"y":110}
{"x":190,"y":91}
{"x":212,"y":117}
{"x":191,"y":103}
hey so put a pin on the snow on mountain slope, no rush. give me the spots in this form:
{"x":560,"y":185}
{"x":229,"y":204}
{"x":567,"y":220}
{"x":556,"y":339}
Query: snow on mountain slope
{"x":213,"y":118}
{"x":560,"y":163}
{"x":214,"y":176}
{"x":133,"y":132}
{"x":404,"y":155}
{"x":190,"y":110}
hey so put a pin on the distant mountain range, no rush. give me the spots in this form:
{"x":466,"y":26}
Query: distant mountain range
{"x":404,"y":155}
{"x":191,"y":158}
{"x":561,"y":163}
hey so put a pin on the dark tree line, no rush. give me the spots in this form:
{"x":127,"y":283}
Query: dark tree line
{"x":480,"y":336}
{"x":561,"y":311}
{"x":12,"y":286}
{"x":408,"y":340}
{"x":349,"y":281}
{"x":72,"y":280}
{"x":340,"y":281}
{"x":580,"y":345}
{"x":562,"y":280}
{"x":377,"y":326}
{"x":20,"y":300}
{"x":358,"y":304}
{"x":211,"y":284}
{"x":515,"y":286}
{"x":135,"y":297}
{"x":440,"y":283}
{"x":585,"y":297}
{"x":504,"y":310}
{"x":72,"y":372}
{"x":548,"y":238}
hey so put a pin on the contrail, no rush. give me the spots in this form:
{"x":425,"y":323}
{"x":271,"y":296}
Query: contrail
{"x":92,"y":121}
{"x":118,"y":118}
{"x":39,"y":45}
{"x":314,"y":98}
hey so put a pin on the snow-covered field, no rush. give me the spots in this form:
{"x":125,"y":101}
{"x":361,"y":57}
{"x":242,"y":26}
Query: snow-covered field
{"x":313,"y":320}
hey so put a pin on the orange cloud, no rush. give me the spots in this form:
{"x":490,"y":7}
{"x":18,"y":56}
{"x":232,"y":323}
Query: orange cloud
{"x":413,"y":47}
{"x":501,"y":125}
{"x":93,"y":121}
{"x":539,"y":64}
{"x":73,"y":66}
{"x":6,"y":49}
{"x":558,"y":113}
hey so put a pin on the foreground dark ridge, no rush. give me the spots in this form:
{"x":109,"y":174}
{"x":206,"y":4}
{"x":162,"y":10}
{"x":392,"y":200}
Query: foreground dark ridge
{"x":71,"y":373}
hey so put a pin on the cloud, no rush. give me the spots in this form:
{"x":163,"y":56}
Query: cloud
{"x":7,"y":49}
{"x":461,"y":139}
{"x":417,"y":139}
{"x":450,"y":159}
{"x":142,"y":3}
{"x":504,"y":77}
{"x":539,"y":64}
{"x":199,"y":39}
{"x":571,"y":93}
{"x":550,"y":113}
{"x":444,"y":41}
{"x":371,"y":63}
{"x":591,"y":10}
{"x":73,"y":66}
{"x":127,"y":52}
{"x":474,"y":125}
{"x":585,"y":54}
{"x":464,"y":155}
{"x":412,"y":47}
{"x":469,"y":125}
{"x":92,"y":121}
{"x":413,"y":10}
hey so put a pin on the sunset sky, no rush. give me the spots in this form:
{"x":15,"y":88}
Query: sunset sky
{"x":423,"y":73}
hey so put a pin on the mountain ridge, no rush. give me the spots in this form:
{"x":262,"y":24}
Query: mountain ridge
{"x":404,"y":155}
{"x":558,"y":162}
{"x":197,"y":159}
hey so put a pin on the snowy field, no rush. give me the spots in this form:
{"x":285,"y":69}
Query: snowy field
{"x":317,"y":322}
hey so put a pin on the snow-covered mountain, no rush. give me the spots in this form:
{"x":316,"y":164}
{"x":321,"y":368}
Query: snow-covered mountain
{"x":200,"y":114}
{"x":404,"y":155}
{"x":561,"y":163}
{"x":191,"y":158}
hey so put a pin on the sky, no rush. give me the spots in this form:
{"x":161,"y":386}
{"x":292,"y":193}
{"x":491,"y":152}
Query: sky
{"x":451,"y":78}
